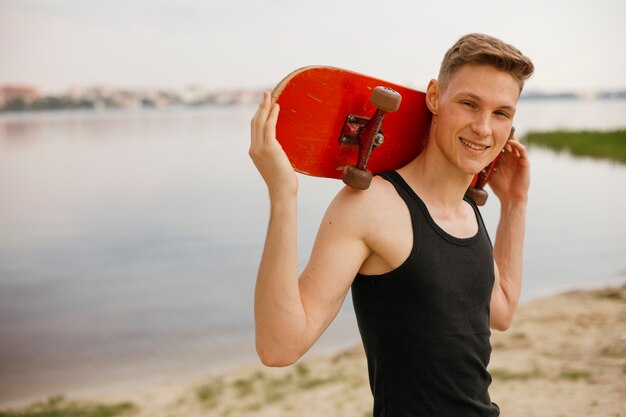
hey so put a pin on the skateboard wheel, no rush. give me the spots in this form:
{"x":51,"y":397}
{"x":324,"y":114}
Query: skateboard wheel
{"x":386,"y":99}
{"x":357,"y":178}
{"x":479,"y":196}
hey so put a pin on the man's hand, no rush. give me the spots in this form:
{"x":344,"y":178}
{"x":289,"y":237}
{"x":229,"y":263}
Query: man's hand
{"x":267,"y":154}
{"x":511,"y":177}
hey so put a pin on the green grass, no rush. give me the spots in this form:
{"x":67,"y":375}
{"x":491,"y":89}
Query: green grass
{"x":261,"y":389}
{"x":608,"y":145}
{"x":210,"y":393}
{"x":60,"y":407}
{"x":576,"y":374}
{"x":615,"y":294}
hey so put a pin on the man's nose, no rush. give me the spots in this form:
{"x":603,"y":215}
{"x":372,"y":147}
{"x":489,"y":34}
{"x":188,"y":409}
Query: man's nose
{"x":482,"y":125}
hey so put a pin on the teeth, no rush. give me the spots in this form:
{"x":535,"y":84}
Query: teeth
{"x":471,"y":145}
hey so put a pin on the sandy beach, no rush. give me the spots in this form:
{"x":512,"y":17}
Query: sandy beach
{"x":565,"y":355}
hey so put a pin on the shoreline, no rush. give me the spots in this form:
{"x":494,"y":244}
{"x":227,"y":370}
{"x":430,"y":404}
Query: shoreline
{"x":334,"y":340}
{"x":102,"y":380}
{"x":574,"y":341}
{"x":113,"y":377}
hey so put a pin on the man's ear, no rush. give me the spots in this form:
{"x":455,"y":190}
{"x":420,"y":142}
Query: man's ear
{"x":432,"y":96}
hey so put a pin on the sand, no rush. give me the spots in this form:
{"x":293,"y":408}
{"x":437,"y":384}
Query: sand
{"x":564,"y":355}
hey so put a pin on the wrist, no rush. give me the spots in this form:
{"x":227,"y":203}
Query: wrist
{"x":283,"y":189}
{"x":514,"y":199}
{"x":280,"y":199}
{"x":513,"y":205}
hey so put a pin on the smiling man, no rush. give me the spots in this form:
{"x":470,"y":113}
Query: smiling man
{"x":427,"y":284}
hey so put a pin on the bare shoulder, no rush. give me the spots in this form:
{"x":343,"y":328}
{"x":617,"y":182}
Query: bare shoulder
{"x":362,"y":231}
{"x":358,"y":208}
{"x":376,"y":219}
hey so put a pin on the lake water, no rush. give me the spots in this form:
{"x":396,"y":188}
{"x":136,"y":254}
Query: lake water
{"x":129,"y":241}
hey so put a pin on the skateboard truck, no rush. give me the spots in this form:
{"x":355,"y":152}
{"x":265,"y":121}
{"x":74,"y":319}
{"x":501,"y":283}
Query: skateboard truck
{"x":367,"y":134}
{"x":476,"y":191}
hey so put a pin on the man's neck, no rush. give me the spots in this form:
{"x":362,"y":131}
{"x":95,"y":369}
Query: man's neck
{"x":439,"y":183}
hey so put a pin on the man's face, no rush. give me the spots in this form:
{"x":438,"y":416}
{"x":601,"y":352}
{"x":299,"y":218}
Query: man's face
{"x":474,"y":115}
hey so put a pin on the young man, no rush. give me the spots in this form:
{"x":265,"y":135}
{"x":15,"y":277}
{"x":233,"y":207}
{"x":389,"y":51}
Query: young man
{"x":426,"y":282}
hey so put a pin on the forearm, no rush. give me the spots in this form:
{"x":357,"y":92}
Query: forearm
{"x":508,"y":251}
{"x":280,"y":320}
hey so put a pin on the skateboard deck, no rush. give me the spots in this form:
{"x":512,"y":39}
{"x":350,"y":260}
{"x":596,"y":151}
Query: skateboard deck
{"x":315,"y":102}
{"x":324,"y":113}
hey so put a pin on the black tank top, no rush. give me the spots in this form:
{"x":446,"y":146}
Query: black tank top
{"x":425,"y":325}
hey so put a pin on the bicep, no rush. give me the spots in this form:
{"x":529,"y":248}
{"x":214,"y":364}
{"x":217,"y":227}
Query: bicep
{"x":338,"y":253}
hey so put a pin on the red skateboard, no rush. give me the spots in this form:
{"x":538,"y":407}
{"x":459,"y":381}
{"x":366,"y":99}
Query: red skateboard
{"x":331,"y":125}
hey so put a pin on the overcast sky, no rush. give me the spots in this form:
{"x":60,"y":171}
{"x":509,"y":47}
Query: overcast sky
{"x":53,"y":44}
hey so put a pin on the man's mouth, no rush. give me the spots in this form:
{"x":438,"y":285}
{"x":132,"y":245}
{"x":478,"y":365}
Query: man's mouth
{"x":473,"y":146}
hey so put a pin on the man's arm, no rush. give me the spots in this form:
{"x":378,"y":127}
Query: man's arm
{"x":510,"y":183}
{"x":291,"y":313}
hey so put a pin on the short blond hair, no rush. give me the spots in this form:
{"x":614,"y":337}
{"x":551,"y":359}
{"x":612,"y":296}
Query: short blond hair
{"x":477,"y":48}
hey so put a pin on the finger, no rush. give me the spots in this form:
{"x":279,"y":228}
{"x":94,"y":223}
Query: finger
{"x":270,"y":125}
{"x":261,"y":117}
{"x":517,"y":144}
{"x":259,"y":110}
{"x":256,"y":125}
{"x":521,"y":151}
{"x":512,"y":140}
{"x":263,"y":104}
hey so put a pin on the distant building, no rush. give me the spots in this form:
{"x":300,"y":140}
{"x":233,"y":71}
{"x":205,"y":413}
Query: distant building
{"x":10,"y":93}
{"x":231,"y":97}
